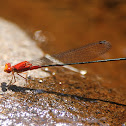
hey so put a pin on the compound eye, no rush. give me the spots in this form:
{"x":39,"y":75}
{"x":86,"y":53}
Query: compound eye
{"x":7,"y":68}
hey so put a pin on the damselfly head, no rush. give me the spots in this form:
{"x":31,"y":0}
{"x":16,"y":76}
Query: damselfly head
{"x":8,"y":68}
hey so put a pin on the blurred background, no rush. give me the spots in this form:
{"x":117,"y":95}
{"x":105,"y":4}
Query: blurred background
{"x":68,"y":24}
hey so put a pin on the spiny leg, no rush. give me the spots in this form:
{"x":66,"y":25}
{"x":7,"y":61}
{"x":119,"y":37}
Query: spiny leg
{"x":11,"y":80}
{"x":22,"y":77}
{"x":13,"y":77}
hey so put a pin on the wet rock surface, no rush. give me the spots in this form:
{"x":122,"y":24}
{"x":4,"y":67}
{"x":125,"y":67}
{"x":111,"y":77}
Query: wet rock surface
{"x":83,"y":102}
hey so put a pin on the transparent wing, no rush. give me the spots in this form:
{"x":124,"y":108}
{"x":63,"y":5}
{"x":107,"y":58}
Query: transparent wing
{"x":81,"y":54}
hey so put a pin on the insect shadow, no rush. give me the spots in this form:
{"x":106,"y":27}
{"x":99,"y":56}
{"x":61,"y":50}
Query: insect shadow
{"x":15,"y":88}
